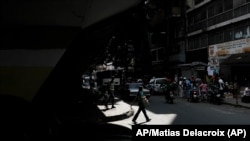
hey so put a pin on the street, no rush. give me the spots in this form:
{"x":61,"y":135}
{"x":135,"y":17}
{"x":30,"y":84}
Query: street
{"x":183,"y":112}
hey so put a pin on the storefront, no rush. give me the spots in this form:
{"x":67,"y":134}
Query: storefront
{"x":231,"y":60}
{"x":237,"y":68}
{"x":195,"y":69}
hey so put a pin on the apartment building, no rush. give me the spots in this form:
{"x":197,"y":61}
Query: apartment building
{"x":202,"y":37}
{"x":166,"y":35}
{"x":218,"y":34}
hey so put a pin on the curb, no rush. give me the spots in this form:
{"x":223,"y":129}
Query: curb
{"x":236,"y":105}
{"x":120,"y":117}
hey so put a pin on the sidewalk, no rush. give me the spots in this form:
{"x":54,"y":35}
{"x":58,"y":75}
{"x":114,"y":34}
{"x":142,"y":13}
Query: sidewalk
{"x":236,"y":102}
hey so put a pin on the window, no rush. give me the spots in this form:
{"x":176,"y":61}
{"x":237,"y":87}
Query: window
{"x":219,"y":37}
{"x":203,"y":14}
{"x":161,"y":81}
{"x":204,"y":41}
{"x":228,"y":4}
{"x":238,"y":3}
{"x":179,"y":29}
{"x":197,"y":17}
{"x":228,"y":35}
{"x":176,"y":48}
{"x":196,"y":43}
{"x":211,"y":11}
{"x":154,"y":55}
{"x":190,"y":20}
{"x":157,"y":54}
{"x":211,"y":39}
{"x":191,"y":44}
{"x":219,"y":8}
{"x":242,"y":32}
{"x":161,"y":54}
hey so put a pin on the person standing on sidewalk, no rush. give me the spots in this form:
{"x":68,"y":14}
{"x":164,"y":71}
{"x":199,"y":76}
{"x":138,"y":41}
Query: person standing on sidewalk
{"x":139,"y":96}
{"x":180,"y":86}
{"x":111,"y":92}
{"x":221,"y":86}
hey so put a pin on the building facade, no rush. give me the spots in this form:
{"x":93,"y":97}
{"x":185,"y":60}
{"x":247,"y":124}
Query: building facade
{"x":166,"y":40}
{"x":216,"y":30}
{"x":199,"y":37}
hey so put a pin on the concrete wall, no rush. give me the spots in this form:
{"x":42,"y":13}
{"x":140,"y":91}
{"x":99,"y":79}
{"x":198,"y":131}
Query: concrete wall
{"x":22,"y":72}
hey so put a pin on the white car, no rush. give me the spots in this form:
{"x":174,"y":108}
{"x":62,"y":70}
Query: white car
{"x":155,"y":85}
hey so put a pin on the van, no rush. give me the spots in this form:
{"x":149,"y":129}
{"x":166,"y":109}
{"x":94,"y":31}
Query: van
{"x":155,"y":85}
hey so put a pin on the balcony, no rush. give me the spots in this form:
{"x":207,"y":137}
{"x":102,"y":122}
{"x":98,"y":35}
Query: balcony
{"x":222,"y":19}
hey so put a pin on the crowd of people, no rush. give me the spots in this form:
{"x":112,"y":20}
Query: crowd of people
{"x":185,"y":85}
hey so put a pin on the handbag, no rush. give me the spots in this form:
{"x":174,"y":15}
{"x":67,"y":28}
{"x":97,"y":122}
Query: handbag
{"x":145,"y":101}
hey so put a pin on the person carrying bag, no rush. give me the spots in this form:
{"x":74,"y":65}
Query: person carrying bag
{"x":145,"y":101}
{"x":142,"y":103}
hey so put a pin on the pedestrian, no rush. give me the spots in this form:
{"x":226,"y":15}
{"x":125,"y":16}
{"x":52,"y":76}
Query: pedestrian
{"x":167,"y":89}
{"x":221,"y":86}
{"x":180,"y":86}
{"x":139,"y":96}
{"x":203,"y":89}
{"x":192,"y":81}
{"x":91,"y":84}
{"x":187,"y":87}
{"x":111,"y":92}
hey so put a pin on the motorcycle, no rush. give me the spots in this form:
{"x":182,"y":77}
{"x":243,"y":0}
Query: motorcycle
{"x":214,"y":96}
{"x":168,"y":94}
{"x":204,"y":96}
{"x":169,"y":97}
{"x":193,"y":95}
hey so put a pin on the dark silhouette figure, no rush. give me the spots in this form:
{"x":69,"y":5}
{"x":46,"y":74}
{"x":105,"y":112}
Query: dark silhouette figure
{"x":139,"y":96}
{"x":111,"y":91}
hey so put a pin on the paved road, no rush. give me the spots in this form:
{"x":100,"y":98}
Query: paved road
{"x":183,"y":112}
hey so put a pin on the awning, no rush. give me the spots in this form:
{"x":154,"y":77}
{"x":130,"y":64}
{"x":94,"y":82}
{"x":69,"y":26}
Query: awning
{"x":197,"y":65}
{"x":237,"y":59}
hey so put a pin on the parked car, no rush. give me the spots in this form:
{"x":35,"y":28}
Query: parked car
{"x":155,"y":85}
{"x":130,"y":90}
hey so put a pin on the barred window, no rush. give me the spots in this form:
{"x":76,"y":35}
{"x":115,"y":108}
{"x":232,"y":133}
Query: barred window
{"x":211,"y":11}
{"x":211,"y":39}
{"x":219,"y":37}
{"x":153,"y":53}
{"x":203,"y":14}
{"x":228,"y":35}
{"x":241,"y":32}
{"x":191,"y":44}
{"x":238,"y":3}
{"x":219,"y":8}
{"x":196,"y":43}
{"x":228,"y":4}
{"x":161,"y":54}
{"x":203,"y":41}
